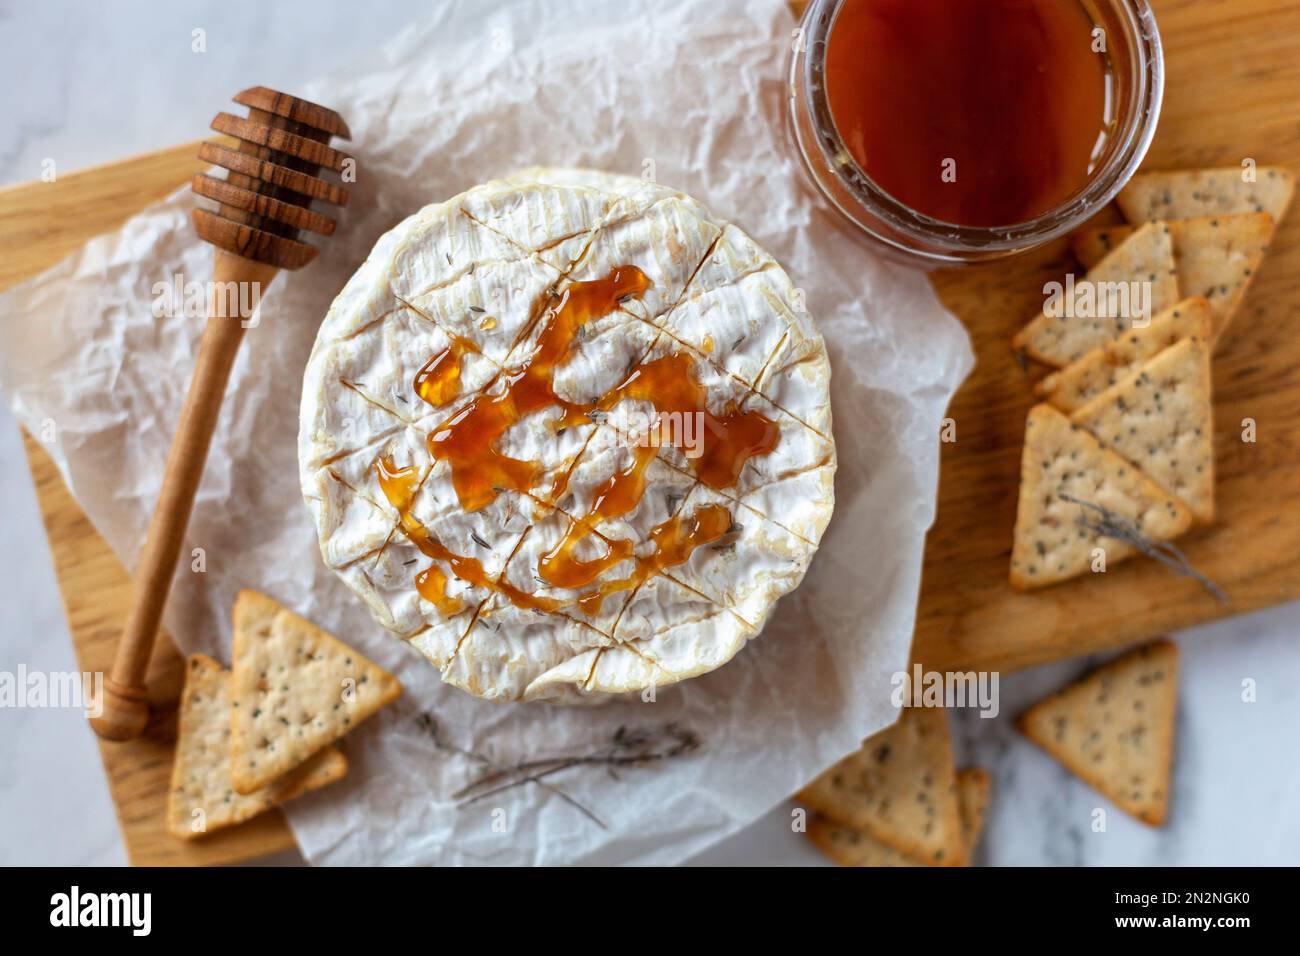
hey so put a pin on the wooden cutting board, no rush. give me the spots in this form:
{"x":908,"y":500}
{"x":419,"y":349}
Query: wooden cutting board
{"x":40,"y":223}
{"x":1232,"y":90}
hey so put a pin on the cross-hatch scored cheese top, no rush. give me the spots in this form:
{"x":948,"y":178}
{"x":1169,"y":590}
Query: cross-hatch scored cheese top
{"x":479,"y":444}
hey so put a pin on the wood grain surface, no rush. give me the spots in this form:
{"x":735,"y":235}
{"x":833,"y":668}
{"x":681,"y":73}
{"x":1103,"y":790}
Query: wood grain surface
{"x":40,"y":223}
{"x":1233,"y":91}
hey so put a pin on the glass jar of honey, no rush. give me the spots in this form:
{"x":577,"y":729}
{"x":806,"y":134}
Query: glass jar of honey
{"x":955,"y":131}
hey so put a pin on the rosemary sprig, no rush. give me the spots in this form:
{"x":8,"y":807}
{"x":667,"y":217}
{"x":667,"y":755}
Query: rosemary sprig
{"x":627,"y":748}
{"x":1111,"y":525}
{"x":429,"y":724}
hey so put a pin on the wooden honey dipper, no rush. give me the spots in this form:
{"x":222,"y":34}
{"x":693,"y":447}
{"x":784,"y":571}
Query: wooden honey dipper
{"x":273,"y":178}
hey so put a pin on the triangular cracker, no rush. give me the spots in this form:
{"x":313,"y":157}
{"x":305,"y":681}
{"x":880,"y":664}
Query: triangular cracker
{"x":1190,"y":194}
{"x":1147,"y":256}
{"x":1218,"y":257}
{"x":1064,"y":475}
{"x":1114,"y":728}
{"x":974,"y":791}
{"x":1162,"y":420}
{"x":294,"y":689}
{"x":201,"y":770}
{"x":900,"y":788}
{"x":849,"y":847}
{"x":1215,"y":257}
{"x":1078,"y":384}
{"x":1093,"y":243}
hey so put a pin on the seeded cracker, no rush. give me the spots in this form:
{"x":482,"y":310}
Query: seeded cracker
{"x":294,"y":689}
{"x":1114,"y":728}
{"x":1147,"y":257}
{"x":1216,"y":257}
{"x":848,"y":847}
{"x":899,"y":788}
{"x":1190,"y":194}
{"x":1063,"y":461}
{"x":1162,"y":421}
{"x":1095,"y":243}
{"x":1077,"y":384}
{"x":201,"y":771}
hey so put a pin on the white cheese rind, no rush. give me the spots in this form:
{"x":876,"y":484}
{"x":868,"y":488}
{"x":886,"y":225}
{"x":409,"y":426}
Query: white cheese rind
{"x":473,"y":267}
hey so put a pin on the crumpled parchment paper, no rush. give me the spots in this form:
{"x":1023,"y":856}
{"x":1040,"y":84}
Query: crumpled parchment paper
{"x":690,"y":93}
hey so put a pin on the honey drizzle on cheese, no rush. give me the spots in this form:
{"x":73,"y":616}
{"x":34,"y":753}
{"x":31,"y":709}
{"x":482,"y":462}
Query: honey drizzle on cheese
{"x":438,"y":380}
{"x":479,"y":472}
{"x":432,"y":585}
{"x":675,"y":541}
{"x":728,"y":441}
{"x":618,"y":495}
{"x":400,"y":485}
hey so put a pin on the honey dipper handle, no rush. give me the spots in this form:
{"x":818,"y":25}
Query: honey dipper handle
{"x":125,"y":707}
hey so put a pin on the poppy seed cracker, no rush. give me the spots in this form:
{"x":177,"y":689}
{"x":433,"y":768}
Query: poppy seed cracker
{"x":201,"y":769}
{"x":900,"y":788}
{"x":1062,"y":467}
{"x":1094,"y":243}
{"x":849,"y":847}
{"x":1190,"y":194}
{"x":1077,"y":384}
{"x":1216,"y":257}
{"x":1162,"y":421}
{"x":1114,"y":728}
{"x":1145,"y":257}
{"x":294,"y":689}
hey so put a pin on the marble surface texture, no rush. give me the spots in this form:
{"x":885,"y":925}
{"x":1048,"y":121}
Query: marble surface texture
{"x":88,"y":83}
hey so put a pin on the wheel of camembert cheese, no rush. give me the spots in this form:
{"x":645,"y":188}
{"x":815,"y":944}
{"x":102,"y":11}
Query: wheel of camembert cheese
{"x":568,"y":435}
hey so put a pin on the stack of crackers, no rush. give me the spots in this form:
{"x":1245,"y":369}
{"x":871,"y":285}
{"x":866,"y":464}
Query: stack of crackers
{"x":1124,"y":436}
{"x":899,"y":801}
{"x":261,"y":733}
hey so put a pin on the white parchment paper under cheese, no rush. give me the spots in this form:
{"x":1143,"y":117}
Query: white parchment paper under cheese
{"x":690,"y":93}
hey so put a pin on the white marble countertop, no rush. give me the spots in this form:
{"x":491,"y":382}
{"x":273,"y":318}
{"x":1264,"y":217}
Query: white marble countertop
{"x":126,"y":80}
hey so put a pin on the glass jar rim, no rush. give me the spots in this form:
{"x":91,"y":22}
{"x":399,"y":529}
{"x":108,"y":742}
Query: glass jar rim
{"x":948,"y":242}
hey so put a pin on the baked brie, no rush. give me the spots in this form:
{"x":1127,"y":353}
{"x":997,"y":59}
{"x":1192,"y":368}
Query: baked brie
{"x":568,"y":435}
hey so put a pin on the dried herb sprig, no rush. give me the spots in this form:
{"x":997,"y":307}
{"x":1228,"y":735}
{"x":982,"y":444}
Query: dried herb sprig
{"x":1107,"y":523}
{"x":627,"y":748}
{"x":430,"y":726}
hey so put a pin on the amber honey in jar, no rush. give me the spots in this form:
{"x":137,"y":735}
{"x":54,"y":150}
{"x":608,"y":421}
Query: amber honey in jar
{"x":957,"y":130}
